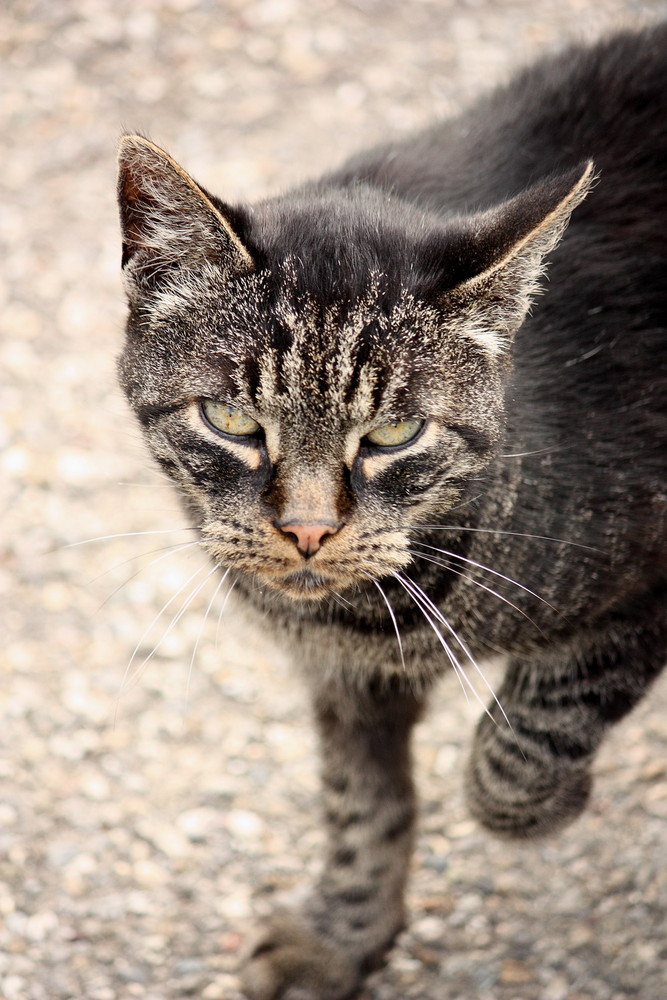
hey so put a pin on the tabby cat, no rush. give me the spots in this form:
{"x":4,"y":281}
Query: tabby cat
{"x":407,"y":469}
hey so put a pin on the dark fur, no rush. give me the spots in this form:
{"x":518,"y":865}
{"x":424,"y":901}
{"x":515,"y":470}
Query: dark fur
{"x":392,"y":289}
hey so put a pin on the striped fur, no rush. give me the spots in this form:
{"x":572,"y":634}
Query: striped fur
{"x":528,"y":513}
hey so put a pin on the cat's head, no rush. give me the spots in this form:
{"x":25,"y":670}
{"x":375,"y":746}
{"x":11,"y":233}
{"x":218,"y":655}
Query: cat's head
{"x":324,"y":370}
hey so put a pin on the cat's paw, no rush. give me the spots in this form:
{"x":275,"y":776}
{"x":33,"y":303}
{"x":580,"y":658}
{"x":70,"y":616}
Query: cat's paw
{"x":289,"y":961}
{"x":522,"y":803}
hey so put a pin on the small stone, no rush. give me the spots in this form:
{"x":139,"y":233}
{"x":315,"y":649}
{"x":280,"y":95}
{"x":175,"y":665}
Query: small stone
{"x":465,"y":828}
{"x":40,"y":925}
{"x":8,"y":815}
{"x":220,"y":989}
{"x":14,"y":988}
{"x":580,"y":936}
{"x":148,"y":873}
{"x":556,"y":989}
{"x":430,"y":929}
{"x":197,"y":824}
{"x":514,"y":973}
{"x":245,"y":824}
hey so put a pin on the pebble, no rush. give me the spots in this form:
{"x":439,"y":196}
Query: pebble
{"x":514,"y":972}
{"x":429,"y":929}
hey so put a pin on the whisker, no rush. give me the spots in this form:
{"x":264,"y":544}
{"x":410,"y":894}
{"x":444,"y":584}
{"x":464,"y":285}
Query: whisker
{"x":342,"y":600}
{"x":395,"y":623}
{"x":497,"y":531}
{"x":172,"y":625}
{"x":122,"y":534}
{"x":464,"y":503}
{"x":153,"y":562}
{"x":441,"y":618}
{"x":538,"y":451}
{"x":494,"y":572}
{"x":174,"y":547}
{"x":404,"y":581}
{"x":471,"y":579}
{"x":147,"y":632}
{"x":150,"y":486}
{"x":464,"y":646}
{"x":222,"y":609}
{"x":201,"y":630}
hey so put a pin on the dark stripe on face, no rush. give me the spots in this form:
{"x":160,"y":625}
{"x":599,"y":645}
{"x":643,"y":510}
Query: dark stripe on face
{"x":361,"y":358}
{"x":217,"y":469}
{"x":252,"y":374}
{"x":148,"y":415}
{"x":477,"y":440}
{"x":408,"y":478}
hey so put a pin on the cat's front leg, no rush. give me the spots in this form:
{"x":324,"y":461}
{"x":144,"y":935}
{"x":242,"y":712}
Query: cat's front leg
{"x":529,"y":771}
{"x":324,"y":951}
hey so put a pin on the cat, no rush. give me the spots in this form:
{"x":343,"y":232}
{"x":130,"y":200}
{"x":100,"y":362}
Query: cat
{"x":409,"y":461}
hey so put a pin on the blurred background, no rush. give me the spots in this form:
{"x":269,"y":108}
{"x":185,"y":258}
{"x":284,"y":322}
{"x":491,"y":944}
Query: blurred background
{"x":148,"y":809}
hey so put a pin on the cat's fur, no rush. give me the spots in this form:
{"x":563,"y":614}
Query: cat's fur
{"x":528,"y":516}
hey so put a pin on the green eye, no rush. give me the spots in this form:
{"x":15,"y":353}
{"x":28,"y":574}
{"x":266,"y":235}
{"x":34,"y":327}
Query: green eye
{"x":228,"y":419}
{"x":392,"y":435}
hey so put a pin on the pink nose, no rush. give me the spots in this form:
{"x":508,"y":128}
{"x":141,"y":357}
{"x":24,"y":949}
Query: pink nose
{"x":308,"y":537}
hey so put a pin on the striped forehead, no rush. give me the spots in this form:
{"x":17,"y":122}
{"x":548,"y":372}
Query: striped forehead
{"x":336,"y":360}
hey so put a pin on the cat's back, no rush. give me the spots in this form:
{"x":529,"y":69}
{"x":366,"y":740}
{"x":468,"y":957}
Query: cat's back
{"x":607,"y":103}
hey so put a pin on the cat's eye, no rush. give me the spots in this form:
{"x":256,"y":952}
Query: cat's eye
{"x":228,"y":419}
{"x":394,"y":435}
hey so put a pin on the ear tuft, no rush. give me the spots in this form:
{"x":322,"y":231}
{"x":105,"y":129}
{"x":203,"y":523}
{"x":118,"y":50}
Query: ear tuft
{"x":169,"y":223}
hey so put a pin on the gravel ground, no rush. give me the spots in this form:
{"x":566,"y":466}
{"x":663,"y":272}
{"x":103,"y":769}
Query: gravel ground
{"x":145,"y":817}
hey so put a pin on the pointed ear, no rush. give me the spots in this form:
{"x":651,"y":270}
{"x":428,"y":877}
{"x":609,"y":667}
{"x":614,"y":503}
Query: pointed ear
{"x":169,"y":223}
{"x":499,"y":257}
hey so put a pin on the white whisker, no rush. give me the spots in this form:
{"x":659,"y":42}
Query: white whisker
{"x":168,"y":550}
{"x":151,"y":486}
{"x":471,"y":579}
{"x":497,"y":531}
{"x":174,"y":621}
{"x":464,"y":646}
{"x":222,"y":609}
{"x":146,"y":632}
{"x":124,"y":534}
{"x":494,"y":572}
{"x":404,"y":582}
{"x":201,"y":630}
{"x":342,"y":600}
{"x":538,"y":451}
{"x":395,"y":623}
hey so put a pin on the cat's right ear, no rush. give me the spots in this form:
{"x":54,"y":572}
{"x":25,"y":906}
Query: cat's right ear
{"x":171,"y":227}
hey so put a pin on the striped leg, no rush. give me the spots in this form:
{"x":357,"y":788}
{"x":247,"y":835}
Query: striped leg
{"x":356,"y":910}
{"x":532,"y":778}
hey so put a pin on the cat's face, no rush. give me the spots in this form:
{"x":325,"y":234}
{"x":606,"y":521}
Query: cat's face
{"x":310,"y":412}
{"x":308,"y":440}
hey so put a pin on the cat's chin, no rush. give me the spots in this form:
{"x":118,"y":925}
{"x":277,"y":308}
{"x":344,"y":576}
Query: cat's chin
{"x":304,"y":584}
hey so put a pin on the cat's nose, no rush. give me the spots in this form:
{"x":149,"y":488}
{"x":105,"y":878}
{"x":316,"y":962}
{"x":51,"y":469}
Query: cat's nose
{"x":308,"y":537}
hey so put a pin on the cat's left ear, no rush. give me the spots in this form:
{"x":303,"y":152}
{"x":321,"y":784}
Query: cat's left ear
{"x":171,"y":228}
{"x":495,"y":261}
